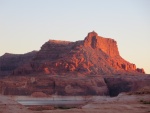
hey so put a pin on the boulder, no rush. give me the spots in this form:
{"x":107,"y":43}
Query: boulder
{"x":38,"y":94}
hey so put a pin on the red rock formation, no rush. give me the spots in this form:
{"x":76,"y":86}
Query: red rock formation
{"x":10,"y":62}
{"x":109,"y":46}
{"x":38,"y":94}
{"x":118,"y":84}
{"x":94,"y":55}
{"x":80,"y":65}
{"x":140,"y":70}
{"x":44,"y":85}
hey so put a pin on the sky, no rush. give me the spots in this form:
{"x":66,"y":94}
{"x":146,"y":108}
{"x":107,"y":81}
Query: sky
{"x":25,"y":25}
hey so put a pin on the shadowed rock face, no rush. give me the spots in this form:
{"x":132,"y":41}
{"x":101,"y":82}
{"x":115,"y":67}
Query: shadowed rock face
{"x":118,"y":84}
{"x":68,"y":85}
{"x":54,"y":85}
{"x":10,"y":62}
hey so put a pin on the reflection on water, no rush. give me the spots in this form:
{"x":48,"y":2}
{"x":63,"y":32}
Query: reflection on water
{"x":54,"y":100}
{"x":51,"y":102}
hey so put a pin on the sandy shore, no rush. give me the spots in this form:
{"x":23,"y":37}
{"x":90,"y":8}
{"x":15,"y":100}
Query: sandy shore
{"x":8,"y":105}
{"x":121,"y":104}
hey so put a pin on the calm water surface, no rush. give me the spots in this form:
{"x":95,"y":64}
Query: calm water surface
{"x":51,"y":101}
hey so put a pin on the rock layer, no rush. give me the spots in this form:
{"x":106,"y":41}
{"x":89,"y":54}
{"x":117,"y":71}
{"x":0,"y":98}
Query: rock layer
{"x":43,"y":86}
{"x":54,"y":85}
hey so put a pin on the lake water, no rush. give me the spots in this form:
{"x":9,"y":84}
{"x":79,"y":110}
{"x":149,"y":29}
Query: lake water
{"x":54,"y":101}
{"x":51,"y":102}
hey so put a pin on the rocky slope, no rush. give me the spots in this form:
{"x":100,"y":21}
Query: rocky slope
{"x":9,"y":62}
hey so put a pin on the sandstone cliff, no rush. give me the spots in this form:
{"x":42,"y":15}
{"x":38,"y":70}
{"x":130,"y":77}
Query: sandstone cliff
{"x":92,"y":56}
{"x":92,"y":66}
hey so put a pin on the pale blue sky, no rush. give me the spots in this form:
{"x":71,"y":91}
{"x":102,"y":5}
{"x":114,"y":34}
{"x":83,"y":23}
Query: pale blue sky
{"x":25,"y":25}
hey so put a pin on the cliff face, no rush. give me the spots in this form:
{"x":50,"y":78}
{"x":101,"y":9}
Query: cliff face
{"x":107,"y":45}
{"x":72,"y":85}
{"x":84,"y":67}
{"x":53,"y":50}
{"x":94,"y":55}
{"x":26,"y":85}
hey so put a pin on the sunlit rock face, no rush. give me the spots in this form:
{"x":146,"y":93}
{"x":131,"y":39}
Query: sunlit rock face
{"x":92,"y":56}
{"x":107,"y":45}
